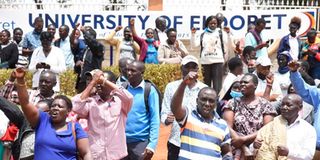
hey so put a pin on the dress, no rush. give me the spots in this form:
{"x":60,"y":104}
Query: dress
{"x":249,"y":118}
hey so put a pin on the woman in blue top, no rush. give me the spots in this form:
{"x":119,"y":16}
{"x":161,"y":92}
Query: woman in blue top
{"x":54,"y":137}
{"x":148,"y":46}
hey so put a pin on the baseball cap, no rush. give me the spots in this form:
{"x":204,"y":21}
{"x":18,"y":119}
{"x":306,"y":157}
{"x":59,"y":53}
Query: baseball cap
{"x":264,"y":61}
{"x":189,"y":58}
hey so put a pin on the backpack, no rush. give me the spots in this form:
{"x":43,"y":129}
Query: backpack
{"x":221,"y":40}
{"x":147,"y":89}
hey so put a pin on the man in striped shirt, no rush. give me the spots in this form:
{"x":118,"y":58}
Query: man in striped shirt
{"x":204,"y":135}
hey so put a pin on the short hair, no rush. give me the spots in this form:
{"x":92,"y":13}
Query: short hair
{"x":52,"y":24}
{"x":209,"y":19}
{"x":16,"y":29}
{"x":111,"y":76}
{"x":66,"y":26}
{"x":91,"y":31}
{"x":66,"y":99}
{"x":160,"y":18}
{"x":49,"y":72}
{"x":207,"y":88}
{"x":38,"y":19}
{"x":250,"y":26}
{"x":247,"y":50}
{"x":124,"y":61}
{"x":140,"y":65}
{"x":260,"y":21}
{"x":253,"y":77}
{"x":170,"y":30}
{"x":48,"y":101}
{"x":312,"y":32}
{"x":234,"y":63}
{"x":127,"y":27}
{"x":46,"y":36}
{"x":7,"y":32}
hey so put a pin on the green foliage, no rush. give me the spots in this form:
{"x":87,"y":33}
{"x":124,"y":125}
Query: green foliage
{"x":160,"y":75}
{"x":68,"y":83}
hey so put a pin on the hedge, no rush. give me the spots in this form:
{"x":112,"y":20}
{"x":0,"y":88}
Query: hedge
{"x":160,"y":75}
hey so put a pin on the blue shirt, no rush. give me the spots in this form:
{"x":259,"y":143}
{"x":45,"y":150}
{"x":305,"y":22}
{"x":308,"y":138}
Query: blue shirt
{"x":152,"y":55}
{"x":31,"y":40}
{"x":142,"y":125}
{"x":52,"y":144}
{"x":251,"y":41}
{"x":311,"y":95}
{"x":64,"y":45}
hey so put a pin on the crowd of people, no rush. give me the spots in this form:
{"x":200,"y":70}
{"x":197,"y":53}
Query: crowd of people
{"x":241,"y":110}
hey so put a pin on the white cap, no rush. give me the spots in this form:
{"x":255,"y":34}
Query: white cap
{"x":189,"y":58}
{"x":263,"y":61}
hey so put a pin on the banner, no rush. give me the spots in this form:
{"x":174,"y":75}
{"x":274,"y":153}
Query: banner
{"x":104,"y":22}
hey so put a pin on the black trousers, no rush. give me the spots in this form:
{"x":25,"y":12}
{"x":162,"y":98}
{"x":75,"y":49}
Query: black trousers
{"x":212,"y":75}
{"x":173,"y":151}
{"x":135,"y":150}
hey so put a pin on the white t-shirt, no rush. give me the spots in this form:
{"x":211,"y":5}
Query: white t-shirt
{"x":262,"y":84}
{"x":56,"y":61}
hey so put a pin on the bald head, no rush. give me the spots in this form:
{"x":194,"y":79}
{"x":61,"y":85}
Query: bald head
{"x":290,"y":106}
{"x":295,"y":98}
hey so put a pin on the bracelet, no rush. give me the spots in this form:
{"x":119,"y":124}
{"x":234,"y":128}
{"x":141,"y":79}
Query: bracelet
{"x":270,"y":85}
{"x":20,"y":85}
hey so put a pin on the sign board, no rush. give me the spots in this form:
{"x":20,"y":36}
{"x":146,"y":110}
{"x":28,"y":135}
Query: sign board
{"x":104,"y":22}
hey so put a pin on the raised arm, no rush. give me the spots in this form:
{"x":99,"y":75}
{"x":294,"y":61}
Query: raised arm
{"x":125,"y":96}
{"x":114,"y":42}
{"x":73,"y":41}
{"x":309,"y":94}
{"x":267,"y":91}
{"x":29,"y":109}
{"x":110,"y":38}
{"x":176,"y":103}
{"x":135,"y":36}
{"x":96,"y":48}
{"x":194,"y":41}
{"x":132,"y":26}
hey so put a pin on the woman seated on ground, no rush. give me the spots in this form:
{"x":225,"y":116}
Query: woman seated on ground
{"x":246,"y":115}
{"x":54,"y":137}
